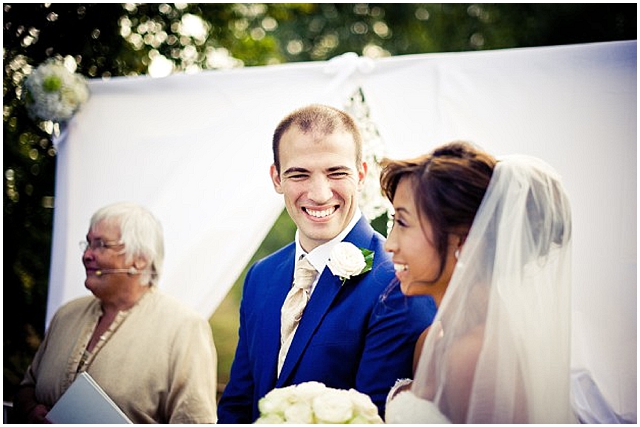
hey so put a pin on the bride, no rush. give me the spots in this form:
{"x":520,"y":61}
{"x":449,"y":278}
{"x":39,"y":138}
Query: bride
{"x":490,"y":241}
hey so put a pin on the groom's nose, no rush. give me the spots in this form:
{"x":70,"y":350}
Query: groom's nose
{"x":320,"y":190}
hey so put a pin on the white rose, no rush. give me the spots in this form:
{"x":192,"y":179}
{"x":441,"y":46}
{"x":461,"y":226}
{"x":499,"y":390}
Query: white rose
{"x":276,"y":401}
{"x":361,"y":419}
{"x":270,"y":419}
{"x":346,"y":260}
{"x":307,"y":391}
{"x":364,"y":406}
{"x":299,"y":413}
{"x":333,"y":407}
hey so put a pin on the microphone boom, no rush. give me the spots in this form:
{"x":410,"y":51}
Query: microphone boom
{"x":130,"y":271}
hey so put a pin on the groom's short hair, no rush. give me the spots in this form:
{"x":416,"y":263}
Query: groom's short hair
{"x":317,"y":118}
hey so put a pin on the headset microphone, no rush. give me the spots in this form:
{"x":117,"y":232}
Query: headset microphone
{"x":130,"y":271}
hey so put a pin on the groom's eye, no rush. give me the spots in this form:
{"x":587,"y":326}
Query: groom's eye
{"x":339,"y":174}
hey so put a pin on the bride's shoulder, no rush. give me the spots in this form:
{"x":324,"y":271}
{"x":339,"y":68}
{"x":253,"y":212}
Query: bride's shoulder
{"x":407,"y":408}
{"x":464,"y":353}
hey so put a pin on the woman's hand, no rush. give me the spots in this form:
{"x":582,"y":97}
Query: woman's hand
{"x":38,"y":414}
{"x":27,"y":409}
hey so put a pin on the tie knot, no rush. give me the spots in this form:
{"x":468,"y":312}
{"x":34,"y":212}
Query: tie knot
{"x":304,"y":275}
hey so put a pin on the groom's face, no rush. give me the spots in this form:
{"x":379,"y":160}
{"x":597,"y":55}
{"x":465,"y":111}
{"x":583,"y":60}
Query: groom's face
{"x":320,"y":181}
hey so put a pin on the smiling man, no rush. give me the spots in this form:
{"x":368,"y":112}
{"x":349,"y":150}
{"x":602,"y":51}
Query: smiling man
{"x":358,"y":333}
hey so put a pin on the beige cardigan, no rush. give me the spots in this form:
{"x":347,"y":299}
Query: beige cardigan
{"x":159,"y":363}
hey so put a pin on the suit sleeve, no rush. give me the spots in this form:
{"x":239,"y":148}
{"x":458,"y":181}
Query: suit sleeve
{"x":394,"y":327}
{"x":236,"y":402}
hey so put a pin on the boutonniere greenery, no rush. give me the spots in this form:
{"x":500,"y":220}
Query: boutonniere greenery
{"x":347,"y":260}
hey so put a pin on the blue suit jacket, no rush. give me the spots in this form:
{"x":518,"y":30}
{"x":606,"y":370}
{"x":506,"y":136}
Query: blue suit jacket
{"x":360,"y":335}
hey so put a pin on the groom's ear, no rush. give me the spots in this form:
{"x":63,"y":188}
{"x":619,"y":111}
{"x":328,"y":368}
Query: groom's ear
{"x":362,"y":173}
{"x":275,"y":178}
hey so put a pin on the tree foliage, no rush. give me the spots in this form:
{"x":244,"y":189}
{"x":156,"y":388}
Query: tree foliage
{"x":131,"y":39}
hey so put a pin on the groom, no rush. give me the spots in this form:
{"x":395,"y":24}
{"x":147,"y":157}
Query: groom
{"x":357,"y":334}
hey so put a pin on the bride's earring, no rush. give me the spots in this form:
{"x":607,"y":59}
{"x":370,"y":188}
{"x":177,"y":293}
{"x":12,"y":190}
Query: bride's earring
{"x":460,"y":243}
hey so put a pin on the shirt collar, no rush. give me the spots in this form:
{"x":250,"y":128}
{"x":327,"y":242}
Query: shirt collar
{"x":320,"y":255}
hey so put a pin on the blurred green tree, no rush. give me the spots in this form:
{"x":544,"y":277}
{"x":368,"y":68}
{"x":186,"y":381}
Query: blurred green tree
{"x":130,"y":39}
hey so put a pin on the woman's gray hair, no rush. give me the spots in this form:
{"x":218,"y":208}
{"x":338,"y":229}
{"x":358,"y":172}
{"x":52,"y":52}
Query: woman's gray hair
{"x":140,"y":232}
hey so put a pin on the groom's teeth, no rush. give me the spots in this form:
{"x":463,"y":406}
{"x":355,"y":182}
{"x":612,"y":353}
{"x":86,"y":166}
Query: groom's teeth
{"x":400,"y":267}
{"x":322,"y":213}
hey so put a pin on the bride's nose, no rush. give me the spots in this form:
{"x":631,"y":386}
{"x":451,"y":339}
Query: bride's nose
{"x":391,"y":244}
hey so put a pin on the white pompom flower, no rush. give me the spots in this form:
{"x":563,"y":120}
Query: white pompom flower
{"x":52,"y":92}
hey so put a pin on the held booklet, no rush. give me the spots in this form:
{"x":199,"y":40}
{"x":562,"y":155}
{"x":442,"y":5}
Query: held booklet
{"x":85,"y":402}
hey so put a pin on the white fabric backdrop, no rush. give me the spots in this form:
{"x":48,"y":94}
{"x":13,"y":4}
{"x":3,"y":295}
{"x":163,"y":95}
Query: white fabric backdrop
{"x":196,"y":150}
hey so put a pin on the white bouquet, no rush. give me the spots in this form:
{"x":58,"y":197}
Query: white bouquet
{"x":52,"y":92}
{"x":314,"y":403}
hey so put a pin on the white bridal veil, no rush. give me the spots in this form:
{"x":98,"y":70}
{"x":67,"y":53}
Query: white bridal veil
{"x":509,"y":304}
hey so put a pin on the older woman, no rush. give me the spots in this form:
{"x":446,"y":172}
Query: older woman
{"x":153,"y":356}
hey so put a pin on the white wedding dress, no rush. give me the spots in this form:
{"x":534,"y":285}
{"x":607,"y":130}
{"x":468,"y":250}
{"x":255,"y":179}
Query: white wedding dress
{"x":407,"y":408}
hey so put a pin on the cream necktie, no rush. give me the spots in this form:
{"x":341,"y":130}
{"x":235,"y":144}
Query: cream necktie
{"x":294,"y":305}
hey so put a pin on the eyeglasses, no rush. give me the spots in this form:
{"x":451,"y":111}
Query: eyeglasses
{"x":98,"y":245}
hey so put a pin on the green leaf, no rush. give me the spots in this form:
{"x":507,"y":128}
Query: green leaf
{"x":368,"y":258}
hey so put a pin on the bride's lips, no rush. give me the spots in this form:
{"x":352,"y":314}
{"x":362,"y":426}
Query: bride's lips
{"x":400,"y":267}
{"x":401,"y":270}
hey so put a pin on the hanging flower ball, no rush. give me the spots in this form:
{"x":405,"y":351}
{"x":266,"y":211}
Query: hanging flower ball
{"x":52,"y":92}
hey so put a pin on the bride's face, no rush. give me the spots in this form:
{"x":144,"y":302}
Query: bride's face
{"x":415,"y":257}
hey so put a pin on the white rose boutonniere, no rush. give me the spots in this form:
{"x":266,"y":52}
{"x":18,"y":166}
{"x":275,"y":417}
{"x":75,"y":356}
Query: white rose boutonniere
{"x":52,"y":92}
{"x":347,"y":260}
{"x":314,"y":403}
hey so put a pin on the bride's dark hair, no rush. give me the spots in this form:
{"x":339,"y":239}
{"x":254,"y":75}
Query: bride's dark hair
{"x":449,"y":184}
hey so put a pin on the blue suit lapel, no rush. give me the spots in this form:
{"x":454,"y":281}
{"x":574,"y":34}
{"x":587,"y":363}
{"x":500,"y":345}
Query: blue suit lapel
{"x":282,"y":276}
{"x":326,"y":290}
{"x":323,"y":296}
